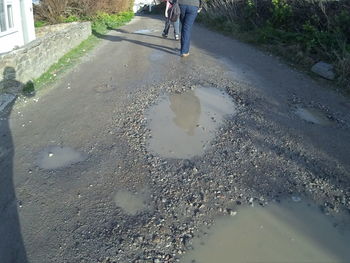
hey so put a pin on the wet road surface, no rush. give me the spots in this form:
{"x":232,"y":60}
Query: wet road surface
{"x":136,"y":151}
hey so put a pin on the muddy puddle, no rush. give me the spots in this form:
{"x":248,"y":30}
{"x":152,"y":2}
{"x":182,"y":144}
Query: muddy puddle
{"x":312,"y":115}
{"x":183,"y":124}
{"x":54,"y":157}
{"x":132,"y":203}
{"x":279,"y":233}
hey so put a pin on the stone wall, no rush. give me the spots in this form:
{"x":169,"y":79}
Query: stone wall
{"x":32,"y":60}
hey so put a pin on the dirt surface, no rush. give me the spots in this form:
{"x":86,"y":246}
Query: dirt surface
{"x":264,"y":152}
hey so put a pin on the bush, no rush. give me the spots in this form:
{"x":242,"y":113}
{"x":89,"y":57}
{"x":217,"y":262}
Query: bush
{"x":58,"y":11}
{"x":320,"y":30}
{"x":51,"y":11}
{"x":102,"y":21}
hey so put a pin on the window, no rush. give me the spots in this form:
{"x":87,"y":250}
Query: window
{"x":9,"y":16}
{"x":2,"y":17}
{"x":6,"y":15}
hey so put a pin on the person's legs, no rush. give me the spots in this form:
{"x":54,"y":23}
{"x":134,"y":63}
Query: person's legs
{"x":177,"y":28}
{"x":182,"y":19}
{"x":187,"y":20}
{"x":166,"y":28}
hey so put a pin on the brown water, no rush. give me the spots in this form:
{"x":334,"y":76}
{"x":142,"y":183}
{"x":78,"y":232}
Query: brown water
{"x":54,"y":157}
{"x":130,"y":202}
{"x":313,"y":115}
{"x":280,"y":233}
{"x":183,"y":124}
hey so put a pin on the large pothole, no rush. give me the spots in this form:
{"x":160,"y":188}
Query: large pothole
{"x":280,"y":233}
{"x":183,"y":124}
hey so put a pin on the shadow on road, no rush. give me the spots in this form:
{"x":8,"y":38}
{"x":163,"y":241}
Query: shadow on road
{"x":115,"y":38}
{"x":11,"y":243}
{"x":132,"y":33}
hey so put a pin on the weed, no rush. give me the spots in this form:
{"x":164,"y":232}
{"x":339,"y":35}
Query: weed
{"x":71,"y":18}
{"x":28,"y":89}
{"x":40,"y":23}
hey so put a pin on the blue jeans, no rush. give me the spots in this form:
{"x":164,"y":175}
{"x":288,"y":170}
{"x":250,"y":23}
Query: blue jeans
{"x":187,"y":17}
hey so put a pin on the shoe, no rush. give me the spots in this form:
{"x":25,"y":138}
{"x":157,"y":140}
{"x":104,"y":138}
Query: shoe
{"x":164,"y":35}
{"x":185,"y":55}
{"x":177,"y":37}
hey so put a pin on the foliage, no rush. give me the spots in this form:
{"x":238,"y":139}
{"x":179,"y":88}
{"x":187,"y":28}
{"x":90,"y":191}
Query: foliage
{"x":51,"y":11}
{"x":313,"y":30}
{"x":39,"y":23}
{"x":281,"y":14}
{"x":102,"y":21}
{"x":28,"y":89}
{"x":59,"y":11}
{"x":71,"y":18}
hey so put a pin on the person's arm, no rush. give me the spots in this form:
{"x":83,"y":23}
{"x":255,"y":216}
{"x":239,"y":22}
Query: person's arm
{"x":167,"y":8}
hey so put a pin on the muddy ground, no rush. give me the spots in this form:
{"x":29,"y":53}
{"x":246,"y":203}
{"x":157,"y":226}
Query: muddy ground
{"x":113,"y":199}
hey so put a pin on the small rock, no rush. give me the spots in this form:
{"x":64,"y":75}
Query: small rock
{"x":233,"y":213}
{"x":324,"y":69}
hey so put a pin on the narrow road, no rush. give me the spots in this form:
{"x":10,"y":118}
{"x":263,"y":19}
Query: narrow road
{"x":289,"y":136}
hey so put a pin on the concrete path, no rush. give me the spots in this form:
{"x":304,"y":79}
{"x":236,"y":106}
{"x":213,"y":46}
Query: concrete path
{"x":68,"y":213}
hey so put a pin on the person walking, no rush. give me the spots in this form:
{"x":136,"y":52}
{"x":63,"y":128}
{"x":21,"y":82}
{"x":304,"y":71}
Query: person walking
{"x":176,"y":24}
{"x":189,"y":10}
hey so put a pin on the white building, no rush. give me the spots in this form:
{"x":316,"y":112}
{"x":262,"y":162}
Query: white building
{"x":139,"y":5}
{"x":16,"y":24}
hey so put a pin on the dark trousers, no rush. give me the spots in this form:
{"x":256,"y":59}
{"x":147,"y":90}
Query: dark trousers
{"x":187,"y":17}
{"x":167,"y":26}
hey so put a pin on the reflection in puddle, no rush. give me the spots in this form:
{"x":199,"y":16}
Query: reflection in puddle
{"x":55,"y":157}
{"x":288,"y":232}
{"x":312,"y":115}
{"x":143,"y":31}
{"x":182,"y":124}
{"x":131,"y":203}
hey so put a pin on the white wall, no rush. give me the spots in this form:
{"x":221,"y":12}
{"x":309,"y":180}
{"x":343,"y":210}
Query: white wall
{"x":27,"y":20}
{"x":23,"y":31}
